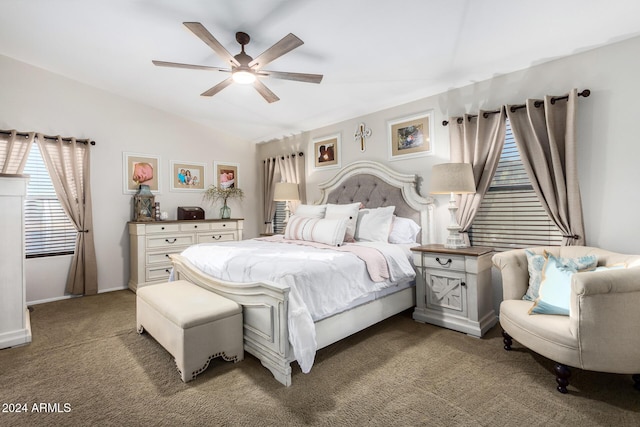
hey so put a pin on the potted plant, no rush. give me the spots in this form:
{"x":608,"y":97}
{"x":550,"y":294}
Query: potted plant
{"x":214,"y":194}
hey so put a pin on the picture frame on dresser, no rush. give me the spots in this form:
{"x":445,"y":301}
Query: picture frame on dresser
{"x":187,"y":176}
{"x":411,"y":136}
{"x":137,"y":169}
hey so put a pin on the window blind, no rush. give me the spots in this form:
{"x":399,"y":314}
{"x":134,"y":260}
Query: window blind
{"x":278,"y":218}
{"x":510,"y":216}
{"x":48,"y":230}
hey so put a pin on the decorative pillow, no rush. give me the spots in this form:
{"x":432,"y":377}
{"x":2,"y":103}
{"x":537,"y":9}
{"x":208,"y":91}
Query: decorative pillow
{"x":555,"y":288}
{"x":535,"y":265}
{"x":311,"y":211}
{"x":403,"y":230}
{"x":349,"y":212}
{"x":374,"y":225}
{"x":327,"y":231}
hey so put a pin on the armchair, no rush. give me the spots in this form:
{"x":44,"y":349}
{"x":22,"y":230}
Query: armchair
{"x":601,"y":331}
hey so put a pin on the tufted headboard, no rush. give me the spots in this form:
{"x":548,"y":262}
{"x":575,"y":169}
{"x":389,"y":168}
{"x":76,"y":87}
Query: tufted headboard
{"x":375,"y":185}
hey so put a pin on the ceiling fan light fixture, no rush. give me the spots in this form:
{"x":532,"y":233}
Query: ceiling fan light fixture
{"x":243,"y":77}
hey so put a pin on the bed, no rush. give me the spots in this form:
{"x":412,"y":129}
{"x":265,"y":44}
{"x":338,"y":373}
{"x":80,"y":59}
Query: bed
{"x":269,"y":305}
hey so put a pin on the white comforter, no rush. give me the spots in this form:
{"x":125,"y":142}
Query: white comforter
{"x":322,"y":281}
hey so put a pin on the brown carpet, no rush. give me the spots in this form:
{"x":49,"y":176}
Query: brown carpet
{"x":88,"y":366}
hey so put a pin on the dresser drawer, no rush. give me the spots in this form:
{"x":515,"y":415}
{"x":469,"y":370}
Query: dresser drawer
{"x":158,"y":273}
{"x":441,"y":261}
{"x":224,"y":225}
{"x":195,"y":226}
{"x":170,"y":241}
{"x":162,"y":228}
{"x":222,"y":236}
{"x":162,"y":257}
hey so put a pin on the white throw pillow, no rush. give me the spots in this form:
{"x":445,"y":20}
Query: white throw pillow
{"x":327,"y":231}
{"x":311,"y":211}
{"x":374,"y":225}
{"x":403,"y":230}
{"x":348,"y":212}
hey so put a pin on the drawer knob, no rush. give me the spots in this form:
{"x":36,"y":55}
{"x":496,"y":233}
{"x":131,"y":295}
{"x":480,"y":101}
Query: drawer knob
{"x":162,"y":228}
{"x":195,"y":226}
{"x":174,"y":240}
{"x":444,"y":264}
{"x":217,"y":237}
{"x":463,"y":284}
{"x":224,"y":225}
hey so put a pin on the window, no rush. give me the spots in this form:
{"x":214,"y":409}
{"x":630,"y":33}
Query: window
{"x":510,"y":215}
{"x":278,"y":218}
{"x":48,"y":229}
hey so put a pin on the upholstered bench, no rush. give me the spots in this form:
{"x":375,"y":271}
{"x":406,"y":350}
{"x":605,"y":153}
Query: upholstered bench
{"x":193,"y":324}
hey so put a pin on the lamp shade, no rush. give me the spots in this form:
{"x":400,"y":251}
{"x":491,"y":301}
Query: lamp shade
{"x":447,"y":178}
{"x":286,"y":191}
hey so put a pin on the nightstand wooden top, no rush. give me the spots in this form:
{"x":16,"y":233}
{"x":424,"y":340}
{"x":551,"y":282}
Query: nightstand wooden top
{"x":439,"y":248}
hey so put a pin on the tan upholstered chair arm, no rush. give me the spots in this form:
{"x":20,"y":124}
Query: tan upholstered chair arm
{"x":605,"y":315}
{"x":515,"y":275}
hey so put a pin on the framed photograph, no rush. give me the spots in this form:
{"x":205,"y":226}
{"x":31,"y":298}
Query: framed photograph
{"x":187,"y":176}
{"x":226,"y":174}
{"x":411,"y":136}
{"x":140,"y":169}
{"x":326,"y":151}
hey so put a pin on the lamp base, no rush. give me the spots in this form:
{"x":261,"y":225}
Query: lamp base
{"x":454,"y":240}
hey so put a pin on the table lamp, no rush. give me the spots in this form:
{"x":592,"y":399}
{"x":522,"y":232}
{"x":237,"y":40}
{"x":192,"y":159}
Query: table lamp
{"x":286,"y":192}
{"x":453,"y":178}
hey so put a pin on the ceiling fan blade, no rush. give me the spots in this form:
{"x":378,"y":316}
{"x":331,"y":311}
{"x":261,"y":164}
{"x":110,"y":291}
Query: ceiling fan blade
{"x":190,"y":66}
{"x":286,"y":44}
{"x":299,"y":77}
{"x":199,"y":30}
{"x":217,"y":88}
{"x":265,"y":92}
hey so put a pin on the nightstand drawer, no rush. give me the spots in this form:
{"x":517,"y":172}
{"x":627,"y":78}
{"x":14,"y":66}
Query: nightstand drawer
{"x":171,"y":240}
{"x":223,"y":236}
{"x":444,"y":261}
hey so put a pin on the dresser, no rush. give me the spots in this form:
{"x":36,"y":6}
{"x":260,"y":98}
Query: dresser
{"x":453,"y":288}
{"x":151,"y":243}
{"x":15,"y":328}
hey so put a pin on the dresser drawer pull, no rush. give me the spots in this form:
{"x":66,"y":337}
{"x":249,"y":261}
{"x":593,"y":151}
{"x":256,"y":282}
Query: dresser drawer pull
{"x":217,"y":237}
{"x":444,"y":264}
{"x":463,"y":284}
{"x":167,"y":255}
{"x":167,"y":270}
{"x":174,"y":240}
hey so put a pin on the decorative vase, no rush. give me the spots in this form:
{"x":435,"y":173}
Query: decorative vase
{"x":225,"y":211}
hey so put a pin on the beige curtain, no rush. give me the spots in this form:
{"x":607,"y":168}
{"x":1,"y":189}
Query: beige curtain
{"x":14,"y":151}
{"x":268,"y":187}
{"x":545,"y":134}
{"x":68,"y":165}
{"x":291,"y":168}
{"x":477,"y":140}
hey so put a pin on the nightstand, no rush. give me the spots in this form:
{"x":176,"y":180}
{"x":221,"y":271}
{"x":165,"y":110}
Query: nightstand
{"x":453,"y":288}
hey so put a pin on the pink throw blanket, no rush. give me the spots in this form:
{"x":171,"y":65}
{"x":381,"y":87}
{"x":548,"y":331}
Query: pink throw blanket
{"x":374,"y":260}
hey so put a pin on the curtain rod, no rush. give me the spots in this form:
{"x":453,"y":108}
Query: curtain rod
{"x":282,"y":157}
{"x":81,"y":141}
{"x":585,"y":93}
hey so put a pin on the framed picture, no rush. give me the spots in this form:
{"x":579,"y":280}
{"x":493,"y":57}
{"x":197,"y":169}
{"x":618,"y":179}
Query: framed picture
{"x":187,"y":176}
{"x":226,"y":174}
{"x":326,"y":151}
{"x":140,"y":169}
{"x":411,"y":136}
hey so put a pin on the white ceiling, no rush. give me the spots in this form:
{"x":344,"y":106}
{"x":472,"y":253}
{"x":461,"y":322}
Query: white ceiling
{"x":373,"y":54}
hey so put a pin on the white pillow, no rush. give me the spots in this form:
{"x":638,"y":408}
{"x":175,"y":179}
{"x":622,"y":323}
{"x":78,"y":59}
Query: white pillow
{"x":311,"y":211}
{"x":374,"y":225}
{"x":327,"y":231}
{"x":349,"y":212}
{"x":403,"y":230}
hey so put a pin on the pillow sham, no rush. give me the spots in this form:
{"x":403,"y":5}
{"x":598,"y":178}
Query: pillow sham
{"x":536,"y":263}
{"x":327,"y":231}
{"x":403,"y":230}
{"x":311,"y":211}
{"x":374,"y":225}
{"x":348,"y":212}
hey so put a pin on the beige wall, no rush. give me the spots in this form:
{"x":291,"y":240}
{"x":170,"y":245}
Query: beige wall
{"x":36,"y":100}
{"x":609,"y":148}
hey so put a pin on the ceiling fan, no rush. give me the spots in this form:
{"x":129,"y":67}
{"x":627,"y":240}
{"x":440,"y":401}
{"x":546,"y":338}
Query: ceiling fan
{"x":244,"y":69}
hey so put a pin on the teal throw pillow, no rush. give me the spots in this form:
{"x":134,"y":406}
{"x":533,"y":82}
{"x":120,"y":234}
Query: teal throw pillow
{"x":555,"y":288}
{"x":536,"y":263}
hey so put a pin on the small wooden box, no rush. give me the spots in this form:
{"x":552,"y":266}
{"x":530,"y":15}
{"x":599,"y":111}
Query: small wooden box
{"x":190,"y":212}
